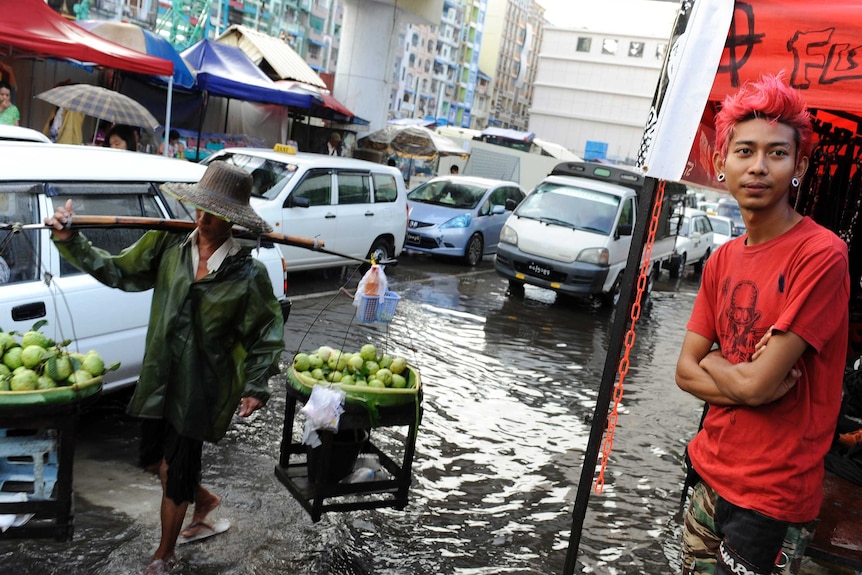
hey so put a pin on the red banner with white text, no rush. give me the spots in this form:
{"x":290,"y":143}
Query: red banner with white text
{"x":816,"y":43}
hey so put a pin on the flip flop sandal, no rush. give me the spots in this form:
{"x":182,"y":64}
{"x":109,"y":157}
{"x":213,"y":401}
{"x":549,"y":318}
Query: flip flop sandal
{"x":204,"y":530}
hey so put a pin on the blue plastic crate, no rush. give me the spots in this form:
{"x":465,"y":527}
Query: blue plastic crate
{"x":371,"y":309}
{"x":29,"y":459}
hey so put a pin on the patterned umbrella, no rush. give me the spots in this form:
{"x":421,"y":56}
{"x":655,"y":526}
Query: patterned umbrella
{"x":100,"y":103}
{"x":414,"y":142}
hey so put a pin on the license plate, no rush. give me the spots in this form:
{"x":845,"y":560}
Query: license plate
{"x":539,"y":270}
{"x":412,"y":238}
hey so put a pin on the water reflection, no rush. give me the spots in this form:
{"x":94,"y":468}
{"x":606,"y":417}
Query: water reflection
{"x":510,"y":388}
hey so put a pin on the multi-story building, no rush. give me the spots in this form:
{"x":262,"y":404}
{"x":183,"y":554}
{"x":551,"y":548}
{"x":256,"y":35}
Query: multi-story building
{"x":483,"y":65}
{"x":510,"y":51}
{"x":436,"y":70}
{"x":594,"y":86}
{"x":311,"y":27}
{"x":140,"y":12}
{"x":412,"y":95}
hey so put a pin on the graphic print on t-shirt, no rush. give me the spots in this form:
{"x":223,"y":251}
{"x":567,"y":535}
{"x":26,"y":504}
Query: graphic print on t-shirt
{"x":739,"y":325}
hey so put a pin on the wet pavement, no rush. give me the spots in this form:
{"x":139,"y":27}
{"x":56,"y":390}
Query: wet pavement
{"x":510,"y":386}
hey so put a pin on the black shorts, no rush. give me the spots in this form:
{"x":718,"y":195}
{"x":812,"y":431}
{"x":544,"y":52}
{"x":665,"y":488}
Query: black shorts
{"x":183,"y":457}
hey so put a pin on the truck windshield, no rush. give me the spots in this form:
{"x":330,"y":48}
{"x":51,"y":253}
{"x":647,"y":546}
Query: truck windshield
{"x":578,"y":208}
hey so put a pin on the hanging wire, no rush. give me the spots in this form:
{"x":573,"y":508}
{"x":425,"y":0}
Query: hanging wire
{"x":48,"y":279}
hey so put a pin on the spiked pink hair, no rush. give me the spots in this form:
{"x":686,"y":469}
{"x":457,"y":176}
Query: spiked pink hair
{"x":769,"y":99}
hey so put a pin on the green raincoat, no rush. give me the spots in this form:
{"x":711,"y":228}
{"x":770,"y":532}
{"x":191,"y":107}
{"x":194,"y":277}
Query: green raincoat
{"x":209,"y":343}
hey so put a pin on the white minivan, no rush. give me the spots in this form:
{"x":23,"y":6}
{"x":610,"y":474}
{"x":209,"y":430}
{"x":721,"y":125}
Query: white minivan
{"x":573,"y":232}
{"x":357,"y":208}
{"x":37,"y":284}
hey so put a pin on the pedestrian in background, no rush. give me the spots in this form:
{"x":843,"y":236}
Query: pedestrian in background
{"x":454,"y":170}
{"x":9,"y":114}
{"x":765,"y":348}
{"x":176,"y":149}
{"x":214,"y":339}
{"x":64,"y":126}
{"x":333,"y":146}
{"x":121,"y":137}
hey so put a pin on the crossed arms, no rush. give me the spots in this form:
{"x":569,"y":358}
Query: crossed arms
{"x":769,"y":375}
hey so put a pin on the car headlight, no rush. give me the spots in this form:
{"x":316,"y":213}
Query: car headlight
{"x":598,"y":256}
{"x":509,"y":236}
{"x":462,"y":221}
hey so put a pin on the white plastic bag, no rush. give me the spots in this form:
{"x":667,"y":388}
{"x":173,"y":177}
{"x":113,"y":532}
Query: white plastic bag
{"x":372,"y":284}
{"x":322,"y":411}
{"x":366,"y":468}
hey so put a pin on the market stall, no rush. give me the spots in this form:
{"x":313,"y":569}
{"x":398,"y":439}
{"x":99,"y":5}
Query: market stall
{"x":31,"y":31}
{"x":225,"y":71}
{"x":43,"y":389}
{"x":350,"y":397}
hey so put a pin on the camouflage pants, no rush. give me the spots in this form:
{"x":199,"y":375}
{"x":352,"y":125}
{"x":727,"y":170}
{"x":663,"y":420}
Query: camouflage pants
{"x":720,"y":538}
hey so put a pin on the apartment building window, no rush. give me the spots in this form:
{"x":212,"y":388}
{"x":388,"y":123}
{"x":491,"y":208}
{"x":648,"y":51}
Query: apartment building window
{"x":636,"y":49}
{"x":584,"y":44}
{"x":415,"y":40}
{"x":609,"y":46}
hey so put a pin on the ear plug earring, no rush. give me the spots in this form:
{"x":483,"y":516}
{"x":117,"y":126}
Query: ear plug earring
{"x":720,"y":177}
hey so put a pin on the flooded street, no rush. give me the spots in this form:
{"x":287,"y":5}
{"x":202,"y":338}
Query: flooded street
{"x":510,"y":386}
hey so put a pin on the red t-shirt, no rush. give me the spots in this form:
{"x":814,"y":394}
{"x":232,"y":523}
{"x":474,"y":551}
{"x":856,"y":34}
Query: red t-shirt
{"x":770,"y":458}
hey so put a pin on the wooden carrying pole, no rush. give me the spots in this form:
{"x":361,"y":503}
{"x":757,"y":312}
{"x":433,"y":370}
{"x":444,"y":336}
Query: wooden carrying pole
{"x":170,"y":225}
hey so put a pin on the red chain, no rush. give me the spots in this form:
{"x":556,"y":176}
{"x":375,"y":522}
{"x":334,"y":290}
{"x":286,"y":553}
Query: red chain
{"x":623,"y":368}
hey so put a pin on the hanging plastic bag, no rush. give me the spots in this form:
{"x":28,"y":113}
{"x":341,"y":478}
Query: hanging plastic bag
{"x":323,"y":411}
{"x":372,"y":285}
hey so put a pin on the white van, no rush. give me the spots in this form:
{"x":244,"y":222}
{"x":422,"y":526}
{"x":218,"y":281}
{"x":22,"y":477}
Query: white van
{"x":357,"y":208}
{"x":573,"y":232}
{"x":37,"y":284}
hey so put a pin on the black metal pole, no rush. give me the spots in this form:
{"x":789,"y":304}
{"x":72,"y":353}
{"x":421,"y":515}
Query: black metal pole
{"x":646,"y":201}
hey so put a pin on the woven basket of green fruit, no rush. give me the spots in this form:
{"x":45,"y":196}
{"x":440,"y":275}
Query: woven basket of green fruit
{"x":365,"y":377}
{"x":36,"y":371}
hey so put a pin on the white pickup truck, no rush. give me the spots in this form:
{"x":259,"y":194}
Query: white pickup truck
{"x":572,"y":234}
{"x":37,"y":284}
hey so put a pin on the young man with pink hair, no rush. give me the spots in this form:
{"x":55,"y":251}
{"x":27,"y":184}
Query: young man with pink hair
{"x":765,"y":348}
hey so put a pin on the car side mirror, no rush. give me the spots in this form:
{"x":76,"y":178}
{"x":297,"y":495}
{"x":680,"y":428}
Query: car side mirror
{"x":624,"y":230}
{"x":297,"y":202}
{"x":511,"y":205}
{"x":497,"y":209}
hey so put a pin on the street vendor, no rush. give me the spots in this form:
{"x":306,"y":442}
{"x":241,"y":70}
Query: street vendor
{"x":215,"y":334}
{"x":765,"y":348}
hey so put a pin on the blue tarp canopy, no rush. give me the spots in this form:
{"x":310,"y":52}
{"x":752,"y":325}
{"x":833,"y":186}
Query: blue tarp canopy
{"x":143,"y":40}
{"x":226,"y":71}
{"x":161,"y":48}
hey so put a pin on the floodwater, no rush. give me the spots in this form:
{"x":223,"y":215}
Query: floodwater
{"x":510,"y":386}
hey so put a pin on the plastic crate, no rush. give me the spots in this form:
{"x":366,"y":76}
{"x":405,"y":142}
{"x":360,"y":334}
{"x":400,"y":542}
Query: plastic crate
{"x":371,"y":309}
{"x":29,"y":462}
